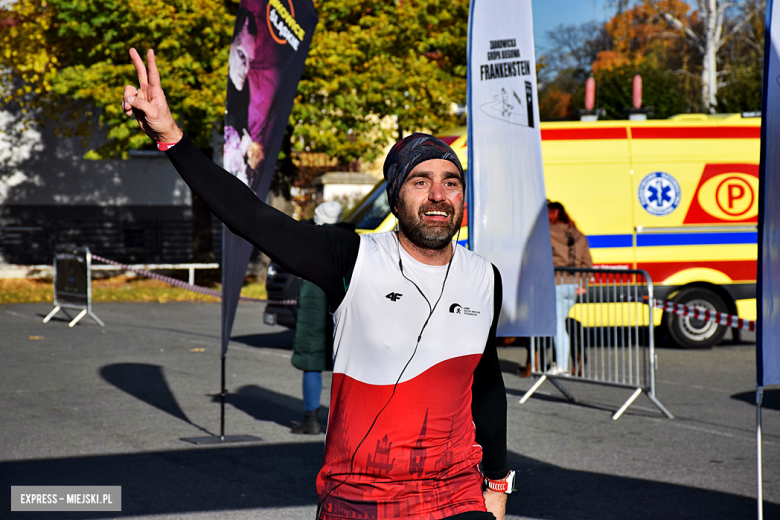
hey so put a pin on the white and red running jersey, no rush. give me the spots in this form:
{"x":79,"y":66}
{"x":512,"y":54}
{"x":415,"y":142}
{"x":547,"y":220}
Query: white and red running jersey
{"x":420,"y":459}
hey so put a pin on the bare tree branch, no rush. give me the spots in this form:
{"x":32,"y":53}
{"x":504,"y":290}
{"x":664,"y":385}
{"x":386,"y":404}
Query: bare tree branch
{"x":745,"y":19}
{"x":683,"y":72}
{"x":677,"y":24}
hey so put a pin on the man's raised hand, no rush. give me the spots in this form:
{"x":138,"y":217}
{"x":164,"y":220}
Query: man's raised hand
{"x":147,"y":102}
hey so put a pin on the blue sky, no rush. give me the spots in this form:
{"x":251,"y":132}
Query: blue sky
{"x":548,"y":14}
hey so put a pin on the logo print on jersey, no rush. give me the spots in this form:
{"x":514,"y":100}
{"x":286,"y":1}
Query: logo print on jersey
{"x":659,"y":193}
{"x":393,"y":296}
{"x":457,"y":308}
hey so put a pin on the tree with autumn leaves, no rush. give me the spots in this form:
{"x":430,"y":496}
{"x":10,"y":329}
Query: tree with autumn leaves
{"x":692,"y":60}
{"x":374,"y":69}
{"x":372,"y":60}
{"x":68,"y":61}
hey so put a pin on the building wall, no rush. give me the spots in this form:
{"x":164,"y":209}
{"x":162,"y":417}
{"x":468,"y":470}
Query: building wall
{"x":347,"y":191}
{"x":137,"y":209}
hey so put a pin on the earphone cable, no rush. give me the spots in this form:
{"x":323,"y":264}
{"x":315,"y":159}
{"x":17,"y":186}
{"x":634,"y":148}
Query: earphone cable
{"x":398,"y":380}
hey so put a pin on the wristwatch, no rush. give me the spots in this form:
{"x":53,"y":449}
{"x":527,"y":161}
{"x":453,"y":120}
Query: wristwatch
{"x":501,"y":486}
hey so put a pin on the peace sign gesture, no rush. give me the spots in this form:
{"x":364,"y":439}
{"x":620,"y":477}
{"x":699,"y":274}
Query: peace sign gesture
{"x":148,"y":102}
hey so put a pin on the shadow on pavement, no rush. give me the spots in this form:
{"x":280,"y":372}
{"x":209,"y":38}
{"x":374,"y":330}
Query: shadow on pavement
{"x":283,"y":475}
{"x":771,"y":398}
{"x":270,"y":406}
{"x":510,"y":367}
{"x":550,"y":492}
{"x":147,"y":383}
{"x":183,"y":480}
{"x":277,"y":340}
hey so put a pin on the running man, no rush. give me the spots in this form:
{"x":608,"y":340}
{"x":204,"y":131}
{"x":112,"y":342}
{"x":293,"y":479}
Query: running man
{"x":417,"y":425}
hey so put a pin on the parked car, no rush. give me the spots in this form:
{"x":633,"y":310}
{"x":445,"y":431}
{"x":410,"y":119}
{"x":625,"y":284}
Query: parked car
{"x":281,"y":285}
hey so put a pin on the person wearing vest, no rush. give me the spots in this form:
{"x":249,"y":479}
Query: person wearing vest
{"x":417,"y":424}
{"x":570,"y":249}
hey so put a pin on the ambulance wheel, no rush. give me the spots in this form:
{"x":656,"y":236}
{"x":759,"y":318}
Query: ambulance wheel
{"x":688,"y":332}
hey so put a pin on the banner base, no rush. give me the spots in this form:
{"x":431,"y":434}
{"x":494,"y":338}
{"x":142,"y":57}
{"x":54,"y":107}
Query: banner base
{"x":216,"y":439}
{"x":75,"y":320}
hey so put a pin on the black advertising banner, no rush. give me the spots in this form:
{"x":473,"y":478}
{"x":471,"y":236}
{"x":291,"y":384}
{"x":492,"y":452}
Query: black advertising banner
{"x":71,"y":278}
{"x":269,"y":47}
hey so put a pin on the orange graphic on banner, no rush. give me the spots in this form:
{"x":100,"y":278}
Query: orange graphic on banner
{"x":726,"y":193}
{"x":282,"y":24}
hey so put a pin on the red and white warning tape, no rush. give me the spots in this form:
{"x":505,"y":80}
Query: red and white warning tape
{"x":184,"y":285}
{"x":698,"y":313}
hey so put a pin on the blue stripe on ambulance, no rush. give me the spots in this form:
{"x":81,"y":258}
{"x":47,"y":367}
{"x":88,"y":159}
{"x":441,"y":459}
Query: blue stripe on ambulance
{"x":696,"y":239}
{"x":604,"y":241}
{"x":672,"y":239}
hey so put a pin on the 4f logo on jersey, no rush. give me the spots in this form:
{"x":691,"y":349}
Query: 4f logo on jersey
{"x":393,"y":296}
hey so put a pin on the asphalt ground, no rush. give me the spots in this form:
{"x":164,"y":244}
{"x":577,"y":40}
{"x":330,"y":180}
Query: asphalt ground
{"x":110,"y":406}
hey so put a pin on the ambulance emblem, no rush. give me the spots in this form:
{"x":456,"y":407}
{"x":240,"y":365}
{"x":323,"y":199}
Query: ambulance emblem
{"x":659,"y":193}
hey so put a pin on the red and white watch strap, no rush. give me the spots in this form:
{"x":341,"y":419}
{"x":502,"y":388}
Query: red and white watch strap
{"x":498,"y":487}
{"x":501,"y":486}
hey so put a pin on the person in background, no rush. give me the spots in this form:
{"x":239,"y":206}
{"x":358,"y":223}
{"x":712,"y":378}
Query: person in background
{"x":313,"y":342}
{"x":570,"y":249}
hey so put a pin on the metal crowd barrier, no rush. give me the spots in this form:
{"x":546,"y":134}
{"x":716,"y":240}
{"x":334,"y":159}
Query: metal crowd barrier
{"x":609,"y":330}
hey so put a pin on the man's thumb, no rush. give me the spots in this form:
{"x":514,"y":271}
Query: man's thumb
{"x":140,"y":104}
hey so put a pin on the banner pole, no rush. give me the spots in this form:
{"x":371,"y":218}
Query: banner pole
{"x":470,"y":137}
{"x":759,"y":400}
{"x":222,"y":395}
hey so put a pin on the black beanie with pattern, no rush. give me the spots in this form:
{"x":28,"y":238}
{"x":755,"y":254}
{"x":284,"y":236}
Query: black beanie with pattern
{"x":408,"y":153}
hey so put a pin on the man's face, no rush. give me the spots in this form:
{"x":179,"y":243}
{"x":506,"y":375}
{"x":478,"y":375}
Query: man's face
{"x":242,"y":52}
{"x":430,"y":205}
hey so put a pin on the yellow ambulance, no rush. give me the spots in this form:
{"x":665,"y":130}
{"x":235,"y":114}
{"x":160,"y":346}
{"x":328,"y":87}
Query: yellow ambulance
{"x":676,"y":197}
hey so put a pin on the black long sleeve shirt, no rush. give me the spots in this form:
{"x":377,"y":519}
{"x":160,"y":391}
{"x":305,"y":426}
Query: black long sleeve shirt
{"x":326,"y":255}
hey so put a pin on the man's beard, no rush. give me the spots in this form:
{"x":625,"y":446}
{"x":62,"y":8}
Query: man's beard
{"x":428,"y":235}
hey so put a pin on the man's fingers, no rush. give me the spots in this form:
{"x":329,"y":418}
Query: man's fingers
{"x":154,"y":75}
{"x":129,"y":92}
{"x":140,"y":69}
{"x":141,"y":104}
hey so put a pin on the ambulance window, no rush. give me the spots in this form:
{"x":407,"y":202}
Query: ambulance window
{"x":373,"y":211}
